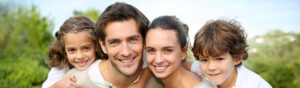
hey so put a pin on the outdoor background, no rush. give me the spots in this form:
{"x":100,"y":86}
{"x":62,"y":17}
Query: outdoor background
{"x":273,"y":26}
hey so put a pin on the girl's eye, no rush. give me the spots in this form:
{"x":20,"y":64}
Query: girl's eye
{"x":86,"y":48}
{"x":70,"y":50}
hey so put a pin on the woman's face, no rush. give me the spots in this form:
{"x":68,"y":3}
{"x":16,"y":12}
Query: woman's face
{"x":164,"y":54}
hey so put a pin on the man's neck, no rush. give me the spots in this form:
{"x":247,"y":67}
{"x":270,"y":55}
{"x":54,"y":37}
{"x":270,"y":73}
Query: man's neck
{"x":117,"y":79}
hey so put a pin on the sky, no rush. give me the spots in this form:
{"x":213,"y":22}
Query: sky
{"x":256,"y":16}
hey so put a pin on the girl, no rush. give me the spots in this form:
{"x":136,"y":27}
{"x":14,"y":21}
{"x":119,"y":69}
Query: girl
{"x":75,"y":46}
{"x":166,"y":48}
{"x":220,"y":46}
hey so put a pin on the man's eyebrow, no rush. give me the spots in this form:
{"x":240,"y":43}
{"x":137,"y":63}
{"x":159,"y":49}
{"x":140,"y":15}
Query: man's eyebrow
{"x":112,"y":39}
{"x":134,"y":36}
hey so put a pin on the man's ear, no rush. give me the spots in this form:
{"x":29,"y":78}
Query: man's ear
{"x":102,"y":46}
{"x":185,"y":49}
{"x":239,"y":59}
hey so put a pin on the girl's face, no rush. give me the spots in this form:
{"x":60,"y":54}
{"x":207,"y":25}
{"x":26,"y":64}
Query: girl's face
{"x":80,"y":49}
{"x":219,"y":69}
{"x":164,"y":54}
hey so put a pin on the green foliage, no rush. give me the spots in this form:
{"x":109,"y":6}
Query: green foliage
{"x":277,"y":58}
{"x":24,"y":41}
{"x":91,"y":13}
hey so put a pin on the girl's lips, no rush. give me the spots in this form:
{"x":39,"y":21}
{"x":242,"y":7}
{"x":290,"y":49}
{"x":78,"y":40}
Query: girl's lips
{"x":82,"y":63}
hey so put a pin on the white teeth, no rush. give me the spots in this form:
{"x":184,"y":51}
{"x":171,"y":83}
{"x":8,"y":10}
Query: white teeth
{"x":126,"y":61}
{"x":161,"y":68}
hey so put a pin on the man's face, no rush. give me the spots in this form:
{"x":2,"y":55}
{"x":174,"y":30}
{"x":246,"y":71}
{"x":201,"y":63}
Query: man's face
{"x":124,"y":45}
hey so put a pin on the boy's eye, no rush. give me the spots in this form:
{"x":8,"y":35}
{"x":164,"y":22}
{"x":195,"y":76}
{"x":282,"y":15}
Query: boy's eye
{"x":219,"y":59}
{"x":203,"y":60}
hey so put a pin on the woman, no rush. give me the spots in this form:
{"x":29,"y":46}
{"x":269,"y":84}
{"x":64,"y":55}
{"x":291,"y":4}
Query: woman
{"x":166,"y":47}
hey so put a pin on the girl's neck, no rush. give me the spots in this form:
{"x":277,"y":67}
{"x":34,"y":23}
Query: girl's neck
{"x":230,"y":81}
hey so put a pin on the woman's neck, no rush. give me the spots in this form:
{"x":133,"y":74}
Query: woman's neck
{"x":230,"y":81}
{"x":174,"y":79}
{"x":181,"y":78}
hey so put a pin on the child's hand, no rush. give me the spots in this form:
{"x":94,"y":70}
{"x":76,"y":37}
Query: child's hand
{"x":68,"y":82}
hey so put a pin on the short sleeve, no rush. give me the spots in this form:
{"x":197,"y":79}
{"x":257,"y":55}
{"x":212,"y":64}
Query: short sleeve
{"x":196,"y":68}
{"x":54,"y":75}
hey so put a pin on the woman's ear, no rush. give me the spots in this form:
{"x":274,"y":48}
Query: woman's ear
{"x":103,"y":46}
{"x":185,"y":49}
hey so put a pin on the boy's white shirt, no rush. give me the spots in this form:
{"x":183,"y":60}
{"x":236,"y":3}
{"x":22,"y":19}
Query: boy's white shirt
{"x":245,"y":78}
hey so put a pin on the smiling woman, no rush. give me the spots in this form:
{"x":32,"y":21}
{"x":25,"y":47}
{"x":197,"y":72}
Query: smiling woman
{"x":166,"y":47}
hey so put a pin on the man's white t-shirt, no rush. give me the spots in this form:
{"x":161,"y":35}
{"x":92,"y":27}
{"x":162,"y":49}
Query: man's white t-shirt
{"x":245,"y":78}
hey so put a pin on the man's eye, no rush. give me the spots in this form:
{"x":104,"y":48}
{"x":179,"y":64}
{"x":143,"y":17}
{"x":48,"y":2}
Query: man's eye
{"x":113,"y":43}
{"x":133,"y":40}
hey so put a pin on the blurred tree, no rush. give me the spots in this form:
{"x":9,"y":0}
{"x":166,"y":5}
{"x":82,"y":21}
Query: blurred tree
{"x":24,"y":41}
{"x":277,"y":58}
{"x":91,"y":13}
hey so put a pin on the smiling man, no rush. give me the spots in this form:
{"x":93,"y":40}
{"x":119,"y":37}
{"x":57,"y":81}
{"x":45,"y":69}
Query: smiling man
{"x":121,"y":31}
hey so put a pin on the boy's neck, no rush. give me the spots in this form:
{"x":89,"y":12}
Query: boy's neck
{"x":230,"y":81}
{"x":110,"y":74}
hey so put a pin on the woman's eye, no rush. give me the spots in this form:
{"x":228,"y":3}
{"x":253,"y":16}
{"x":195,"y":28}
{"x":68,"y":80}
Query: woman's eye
{"x":149,"y":51}
{"x":168,"y":50}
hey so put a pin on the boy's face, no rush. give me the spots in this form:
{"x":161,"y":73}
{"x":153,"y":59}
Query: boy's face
{"x":80,"y":49}
{"x":219,"y":70}
{"x":164,"y":54}
{"x":123,"y":45}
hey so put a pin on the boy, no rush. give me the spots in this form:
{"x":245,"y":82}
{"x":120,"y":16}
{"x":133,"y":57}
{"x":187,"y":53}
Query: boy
{"x":220,"y":46}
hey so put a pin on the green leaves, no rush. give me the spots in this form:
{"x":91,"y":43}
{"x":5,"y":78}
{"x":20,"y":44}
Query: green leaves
{"x":24,"y":41}
{"x":277,"y":58}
